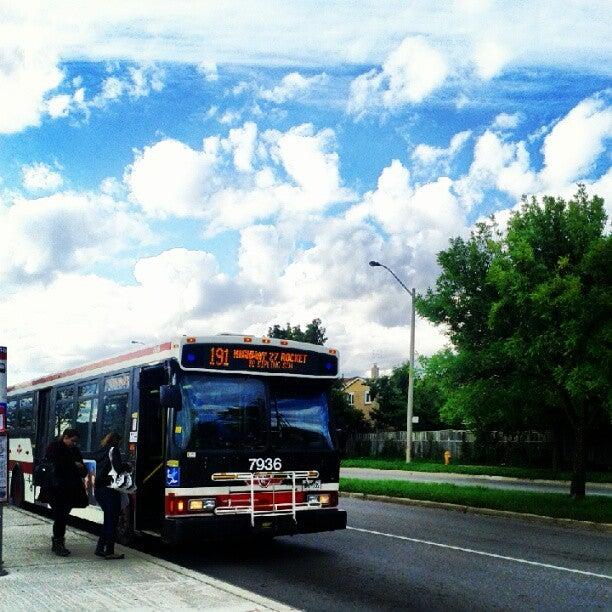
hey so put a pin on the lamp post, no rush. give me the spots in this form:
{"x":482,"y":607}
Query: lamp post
{"x":409,"y":407}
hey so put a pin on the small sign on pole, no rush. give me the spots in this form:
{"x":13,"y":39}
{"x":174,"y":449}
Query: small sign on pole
{"x":3,"y":449}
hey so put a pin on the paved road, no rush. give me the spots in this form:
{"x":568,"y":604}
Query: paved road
{"x":401,"y":557}
{"x":479,"y":481}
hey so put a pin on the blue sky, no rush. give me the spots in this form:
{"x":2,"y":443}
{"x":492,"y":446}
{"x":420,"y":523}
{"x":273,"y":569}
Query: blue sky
{"x":207,"y":169}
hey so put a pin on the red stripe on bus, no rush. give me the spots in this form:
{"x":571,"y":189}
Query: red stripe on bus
{"x":96,"y":365}
{"x":25,"y":467}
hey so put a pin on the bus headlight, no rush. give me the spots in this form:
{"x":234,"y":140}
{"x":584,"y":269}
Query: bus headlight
{"x":199,"y":505}
{"x":319,"y":498}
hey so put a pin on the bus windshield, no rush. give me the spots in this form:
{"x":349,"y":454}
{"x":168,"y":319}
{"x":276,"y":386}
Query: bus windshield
{"x":221,"y":412}
{"x":238,"y":412}
{"x":299,"y":416}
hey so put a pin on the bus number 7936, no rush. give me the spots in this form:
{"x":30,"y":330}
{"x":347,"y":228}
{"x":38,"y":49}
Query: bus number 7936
{"x":259,"y":463}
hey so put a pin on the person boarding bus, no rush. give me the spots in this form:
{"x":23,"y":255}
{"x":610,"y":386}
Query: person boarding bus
{"x":109,"y":458}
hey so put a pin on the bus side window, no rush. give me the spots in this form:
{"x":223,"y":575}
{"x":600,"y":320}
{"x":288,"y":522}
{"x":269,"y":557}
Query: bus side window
{"x":11,"y":414}
{"x":87,"y":414}
{"x":65,"y":416}
{"x":85,"y":420}
{"x":112,"y":416}
{"x":25,"y":414}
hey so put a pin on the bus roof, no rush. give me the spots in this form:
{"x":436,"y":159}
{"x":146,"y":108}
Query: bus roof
{"x":155,"y":354}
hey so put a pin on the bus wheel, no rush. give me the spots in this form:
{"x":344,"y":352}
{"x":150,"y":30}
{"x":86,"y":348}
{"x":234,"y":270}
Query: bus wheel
{"x":125,"y":528}
{"x":17,"y":489}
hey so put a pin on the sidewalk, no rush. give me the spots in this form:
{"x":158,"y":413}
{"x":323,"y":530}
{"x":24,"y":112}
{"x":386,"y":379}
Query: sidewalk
{"x":39,"y":580}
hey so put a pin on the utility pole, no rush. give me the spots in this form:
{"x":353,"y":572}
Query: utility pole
{"x":409,"y":407}
{"x":410,"y":381}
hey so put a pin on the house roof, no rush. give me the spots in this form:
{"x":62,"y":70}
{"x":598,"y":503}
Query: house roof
{"x":349,"y":381}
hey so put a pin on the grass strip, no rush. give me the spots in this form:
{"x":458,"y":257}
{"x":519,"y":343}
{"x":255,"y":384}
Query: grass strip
{"x":487,"y":470}
{"x":594,"y":508}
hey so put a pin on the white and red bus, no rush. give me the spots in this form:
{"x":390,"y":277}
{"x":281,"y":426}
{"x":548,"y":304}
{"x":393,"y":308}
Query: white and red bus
{"x":229,"y":435}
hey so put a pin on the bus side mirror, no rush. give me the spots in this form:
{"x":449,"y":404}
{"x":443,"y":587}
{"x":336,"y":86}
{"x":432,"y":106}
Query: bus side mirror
{"x":170,"y":397}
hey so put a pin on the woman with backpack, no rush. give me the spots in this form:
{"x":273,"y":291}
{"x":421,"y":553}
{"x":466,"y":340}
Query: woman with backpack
{"x":109,"y":458}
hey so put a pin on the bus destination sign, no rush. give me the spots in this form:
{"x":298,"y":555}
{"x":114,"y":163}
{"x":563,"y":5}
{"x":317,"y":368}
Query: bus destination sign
{"x":257,"y":358}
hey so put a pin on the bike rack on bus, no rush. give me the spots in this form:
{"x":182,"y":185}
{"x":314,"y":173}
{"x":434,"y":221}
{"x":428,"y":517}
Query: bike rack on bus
{"x":253,"y":479}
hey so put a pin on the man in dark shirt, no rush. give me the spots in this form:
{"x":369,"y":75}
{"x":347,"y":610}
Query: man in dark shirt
{"x":66,"y":489}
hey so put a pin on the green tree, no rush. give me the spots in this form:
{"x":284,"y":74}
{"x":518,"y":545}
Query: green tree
{"x":529,"y":316}
{"x":391,"y":394}
{"x":314,"y":332}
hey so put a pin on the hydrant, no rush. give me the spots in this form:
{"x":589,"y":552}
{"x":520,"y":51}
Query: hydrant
{"x":447,"y":457}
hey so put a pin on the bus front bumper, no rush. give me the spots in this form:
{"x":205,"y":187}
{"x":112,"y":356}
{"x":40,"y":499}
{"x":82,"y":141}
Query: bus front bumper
{"x":193,"y":528}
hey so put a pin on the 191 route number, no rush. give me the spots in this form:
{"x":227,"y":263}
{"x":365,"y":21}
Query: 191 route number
{"x":259,"y":463}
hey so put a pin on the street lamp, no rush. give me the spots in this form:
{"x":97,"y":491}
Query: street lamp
{"x":376,"y":264}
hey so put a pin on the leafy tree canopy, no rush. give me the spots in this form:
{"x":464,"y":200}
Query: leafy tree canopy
{"x":313,"y":333}
{"x":529,"y":316}
{"x":430,"y":394}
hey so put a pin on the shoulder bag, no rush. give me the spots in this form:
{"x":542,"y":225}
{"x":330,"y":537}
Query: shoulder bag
{"x":120,"y":482}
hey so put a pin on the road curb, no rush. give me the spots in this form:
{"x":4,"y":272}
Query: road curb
{"x":534,"y":518}
{"x":249,"y":596}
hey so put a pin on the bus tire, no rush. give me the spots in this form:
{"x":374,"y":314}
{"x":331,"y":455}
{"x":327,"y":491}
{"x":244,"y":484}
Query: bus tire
{"x":17,"y":488}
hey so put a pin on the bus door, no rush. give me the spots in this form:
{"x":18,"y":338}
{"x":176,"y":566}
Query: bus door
{"x":43,"y":424}
{"x":150,"y":472}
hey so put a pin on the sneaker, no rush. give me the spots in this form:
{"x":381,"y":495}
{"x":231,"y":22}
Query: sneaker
{"x":113,"y":556}
{"x":100,"y":553}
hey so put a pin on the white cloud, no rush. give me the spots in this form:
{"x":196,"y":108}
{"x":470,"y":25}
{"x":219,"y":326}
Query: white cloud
{"x":63,"y":105}
{"x":64,"y":231}
{"x":27,"y":74}
{"x":308,"y":159}
{"x":295,"y":172}
{"x":241,"y":88}
{"x":574,"y":144}
{"x":136,"y":82}
{"x":242,"y":142}
{"x":59,"y":106}
{"x":306,"y":34}
{"x":263,"y":252}
{"x":506,"y":121}
{"x":112,"y":187}
{"x":427,"y":155}
{"x":177,"y":291}
{"x":229,"y":117}
{"x":490,"y":58}
{"x":388,"y":203}
{"x":209,"y":70}
{"x":40,"y":177}
{"x":409,"y":74}
{"x":424,"y":217}
{"x":170,"y":178}
{"x":292,"y":86}
{"x":497,"y":164}
{"x":139,"y":82}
